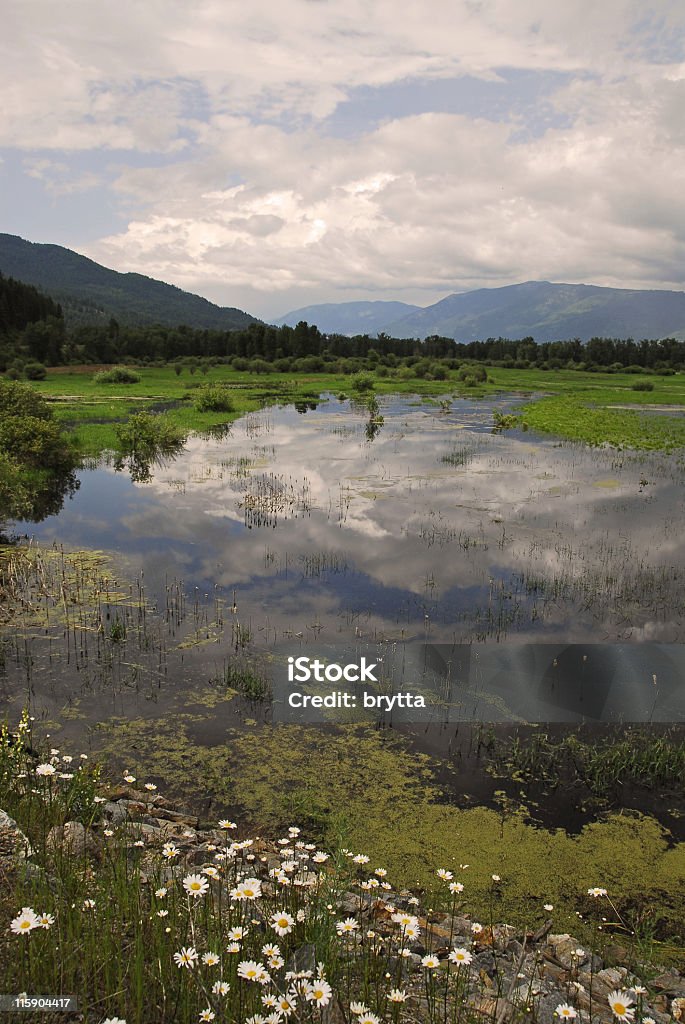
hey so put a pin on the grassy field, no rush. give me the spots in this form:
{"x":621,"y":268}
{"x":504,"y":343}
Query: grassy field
{"x":577,"y":405}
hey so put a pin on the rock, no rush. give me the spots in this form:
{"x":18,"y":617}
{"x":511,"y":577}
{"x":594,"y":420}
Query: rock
{"x":604,"y":981}
{"x":179,"y":817}
{"x":13,"y":842}
{"x":73,"y":839}
{"x":671,"y":983}
{"x":115,"y":812}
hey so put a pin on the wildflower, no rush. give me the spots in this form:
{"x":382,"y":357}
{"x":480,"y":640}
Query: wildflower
{"x":237,"y":934}
{"x":320,"y":858}
{"x":579,"y":954}
{"x":361,"y":858}
{"x":220,"y":988}
{"x":430,"y":962}
{"x":548,"y":906}
{"x":320,"y":992}
{"x":256,"y":1018}
{"x":396,"y":995}
{"x":596,"y":891}
{"x":195,"y":885}
{"x":226,"y":824}
{"x":162,"y":913}
{"x":358,"y":1009}
{"x":99,"y":800}
{"x":368,"y":1018}
{"x":88,"y":905}
{"x":271,"y":950}
{"x":456,"y":887}
{"x":446,"y":876}
{"x":25,"y":922}
{"x":282,"y":923}
{"x":621,"y":1004}
{"x":250,"y":970}
{"x":186,"y":958}
{"x":411,"y":932}
{"x":405,"y":952}
{"x":233,"y":947}
{"x":139,"y":842}
{"x":161,"y":893}
{"x":250,"y":889}
{"x":460,"y":956}
{"x":285,"y":1006}
{"x":401,"y":918}
{"x":639,"y":990}
{"x":109,"y":832}
{"x":381,"y":872}
{"x":169,"y":850}
{"x":346,"y":926}
{"x":129,"y":778}
{"x":45,"y":769}
{"x":114,"y":1020}
{"x":45,"y":920}
{"x":496,"y":878}
{"x":207,"y":1014}
{"x":476,"y":928}
{"x":211,"y":872}
{"x":211,"y":959}
{"x":151,"y":786}
{"x":648,"y":1020}
{"x":565,"y":1010}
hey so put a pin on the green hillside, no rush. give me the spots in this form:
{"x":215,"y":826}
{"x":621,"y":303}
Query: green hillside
{"x":91,"y":293}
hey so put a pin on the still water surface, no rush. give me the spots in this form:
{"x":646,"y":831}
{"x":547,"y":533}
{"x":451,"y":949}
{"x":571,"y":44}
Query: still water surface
{"x":321,"y":528}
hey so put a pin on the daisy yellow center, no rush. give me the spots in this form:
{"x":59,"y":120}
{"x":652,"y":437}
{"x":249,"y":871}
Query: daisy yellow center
{"x":620,"y":1008}
{"x":25,"y":924}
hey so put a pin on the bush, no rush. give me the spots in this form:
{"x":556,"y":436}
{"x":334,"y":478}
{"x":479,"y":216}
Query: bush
{"x":473,"y":375}
{"x":147,"y":433}
{"x":642,"y":385}
{"x":35,"y":371}
{"x":117,"y":375}
{"x":362,"y":382}
{"x":260,"y":366}
{"x":213,"y":398}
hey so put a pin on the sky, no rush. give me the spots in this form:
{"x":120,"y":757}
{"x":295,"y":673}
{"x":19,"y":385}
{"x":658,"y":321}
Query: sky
{"x":273,"y":155}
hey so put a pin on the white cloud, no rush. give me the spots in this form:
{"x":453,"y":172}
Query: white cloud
{"x":257,"y":204}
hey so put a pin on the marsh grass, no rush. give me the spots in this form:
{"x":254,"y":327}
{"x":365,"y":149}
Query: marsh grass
{"x":250,"y":683}
{"x":602,"y":764}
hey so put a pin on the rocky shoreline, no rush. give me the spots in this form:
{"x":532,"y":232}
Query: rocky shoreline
{"x":511,"y":975}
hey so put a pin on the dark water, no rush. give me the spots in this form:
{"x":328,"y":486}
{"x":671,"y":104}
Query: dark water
{"x":321,"y":527}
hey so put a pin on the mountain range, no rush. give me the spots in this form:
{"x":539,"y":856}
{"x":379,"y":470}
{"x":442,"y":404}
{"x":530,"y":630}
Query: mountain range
{"x":540,"y":309}
{"x":91,"y":293}
{"x":545,"y":311}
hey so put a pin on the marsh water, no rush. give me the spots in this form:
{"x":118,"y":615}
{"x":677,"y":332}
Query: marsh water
{"x":327,"y":527}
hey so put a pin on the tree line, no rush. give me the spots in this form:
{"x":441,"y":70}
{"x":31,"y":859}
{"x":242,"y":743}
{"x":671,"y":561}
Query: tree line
{"x":33,"y":333}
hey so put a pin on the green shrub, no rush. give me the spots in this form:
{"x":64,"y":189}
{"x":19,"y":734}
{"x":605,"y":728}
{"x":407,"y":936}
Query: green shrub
{"x":147,"y":433}
{"x":642,"y":385}
{"x":117,"y":375}
{"x":362,"y":382}
{"x":213,"y":398}
{"x":35,"y":371}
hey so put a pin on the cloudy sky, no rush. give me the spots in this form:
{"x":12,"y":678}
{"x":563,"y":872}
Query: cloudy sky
{"x":269,"y":155}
